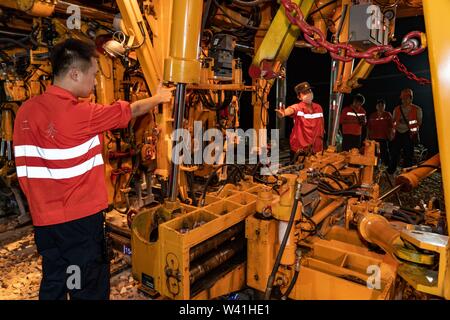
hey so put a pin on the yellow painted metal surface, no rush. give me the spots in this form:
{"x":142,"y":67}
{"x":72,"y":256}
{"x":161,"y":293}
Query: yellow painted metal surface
{"x":261,"y":250}
{"x":411,"y":179}
{"x":183,"y":65}
{"x":281,"y":36}
{"x":170,"y":266}
{"x":337,"y":271}
{"x":438,"y":33}
{"x":133,"y":21}
{"x":423,"y":277}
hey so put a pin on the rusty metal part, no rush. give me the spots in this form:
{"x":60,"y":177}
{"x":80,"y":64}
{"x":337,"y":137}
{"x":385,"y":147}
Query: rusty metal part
{"x":207,"y":246}
{"x":202,"y":268}
{"x":390,"y":192}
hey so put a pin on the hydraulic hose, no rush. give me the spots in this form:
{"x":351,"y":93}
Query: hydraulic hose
{"x":291,"y":285}
{"x":283,"y":244}
{"x":250,"y":3}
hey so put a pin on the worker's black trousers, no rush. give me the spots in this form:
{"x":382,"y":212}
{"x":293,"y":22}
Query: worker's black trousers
{"x":350,"y":141}
{"x":384,"y":151}
{"x":74,"y":260}
{"x":402,"y":141}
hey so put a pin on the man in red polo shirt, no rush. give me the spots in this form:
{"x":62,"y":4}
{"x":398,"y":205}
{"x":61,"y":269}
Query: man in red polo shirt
{"x":58,"y":145}
{"x":353,"y":120}
{"x":380,"y":129}
{"x":307,"y":134}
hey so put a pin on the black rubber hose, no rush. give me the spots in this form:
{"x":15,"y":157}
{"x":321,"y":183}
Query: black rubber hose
{"x":291,"y":286}
{"x":19,"y":43}
{"x":281,"y":251}
{"x":205,"y":188}
{"x":250,"y":3}
{"x":190,"y":179}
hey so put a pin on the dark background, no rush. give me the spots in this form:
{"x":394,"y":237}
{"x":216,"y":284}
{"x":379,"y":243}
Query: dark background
{"x":385,"y":82}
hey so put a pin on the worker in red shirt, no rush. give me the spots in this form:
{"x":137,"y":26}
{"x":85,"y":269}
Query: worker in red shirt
{"x":380,"y":129}
{"x":307,"y":134}
{"x":353,"y":120}
{"x":58,"y":153}
{"x":407,"y":121}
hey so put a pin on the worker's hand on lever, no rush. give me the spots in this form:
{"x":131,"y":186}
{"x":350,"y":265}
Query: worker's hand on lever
{"x":281,"y":111}
{"x":164,"y":94}
{"x":140,"y":107}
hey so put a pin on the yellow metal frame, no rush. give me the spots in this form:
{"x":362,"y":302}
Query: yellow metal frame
{"x":438,"y":33}
{"x":167,"y":259}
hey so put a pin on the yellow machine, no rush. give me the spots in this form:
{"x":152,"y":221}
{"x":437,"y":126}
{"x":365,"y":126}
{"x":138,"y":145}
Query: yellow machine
{"x":320,"y":227}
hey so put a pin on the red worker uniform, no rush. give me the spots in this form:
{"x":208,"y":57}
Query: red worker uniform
{"x":308,"y":128}
{"x":352,"y":120}
{"x":380,"y":126}
{"x":58,"y":150}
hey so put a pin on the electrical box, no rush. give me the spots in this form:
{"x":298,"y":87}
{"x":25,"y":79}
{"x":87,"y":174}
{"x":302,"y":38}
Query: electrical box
{"x":368,"y":26}
{"x":222,"y":52}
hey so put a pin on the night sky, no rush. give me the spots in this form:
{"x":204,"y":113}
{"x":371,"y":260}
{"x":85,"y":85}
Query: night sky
{"x":385,"y":82}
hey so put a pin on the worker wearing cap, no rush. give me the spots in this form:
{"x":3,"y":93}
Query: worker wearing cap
{"x":407,"y":121}
{"x":307,"y":134}
{"x":380,"y":129}
{"x":353,"y":120}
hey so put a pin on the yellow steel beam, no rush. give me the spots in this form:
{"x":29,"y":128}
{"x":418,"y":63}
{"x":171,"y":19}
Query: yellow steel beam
{"x":281,"y":36}
{"x":362,"y":71}
{"x":438,"y":33}
{"x":134,"y":24}
{"x":159,"y":25}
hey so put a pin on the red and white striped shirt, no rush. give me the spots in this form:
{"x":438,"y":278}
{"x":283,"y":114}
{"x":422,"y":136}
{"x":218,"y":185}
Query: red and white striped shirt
{"x":58,"y":150}
{"x":308,"y":128}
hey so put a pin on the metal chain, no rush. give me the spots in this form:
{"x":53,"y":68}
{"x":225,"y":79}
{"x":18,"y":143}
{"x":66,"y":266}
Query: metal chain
{"x":412,"y":44}
{"x":409,"y":74}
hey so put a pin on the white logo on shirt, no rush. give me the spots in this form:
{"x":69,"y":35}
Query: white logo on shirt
{"x":51,"y":130}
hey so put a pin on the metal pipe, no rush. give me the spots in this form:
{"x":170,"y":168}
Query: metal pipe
{"x":179,"y":107}
{"x":86,"y":12}
{"x":377,"y":229}
{"x":202,"y":268}
{"x":14,"y":34}
{"x":411,"y":179}
{"x":126,"y":233}
{"x":210,"y":244}
{"x":336,"y":100}
{"x":390,"y":192}
{"x":281,"y":101}
{"x":325,"y":212}
{"x":182,"y":65}
{"x":244,"y":48}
